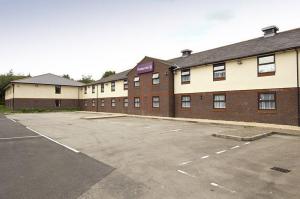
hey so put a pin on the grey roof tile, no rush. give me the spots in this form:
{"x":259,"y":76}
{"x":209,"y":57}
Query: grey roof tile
{"x":262,"y":45}
{"x":49,"y":79}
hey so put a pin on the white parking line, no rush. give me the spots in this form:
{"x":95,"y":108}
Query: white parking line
{"x":176,"y":130}
{"x":186,"y":173}
{"x":219,"y":152}
{"x":247,"y":143}
{"x":222,"y":187}
{"x":70,"y":148}
{"x":204,"y":157}
{"x":237,"y":146}
{"x":24,"y":137}
{"x":12,"y":120}
{"x":184,"y":163}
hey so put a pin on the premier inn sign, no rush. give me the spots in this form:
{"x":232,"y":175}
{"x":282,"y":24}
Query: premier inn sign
{"x":145,"y":68}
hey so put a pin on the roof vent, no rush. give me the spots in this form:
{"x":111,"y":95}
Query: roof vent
{"x":186,"y":52}
{"x":270,"y":31}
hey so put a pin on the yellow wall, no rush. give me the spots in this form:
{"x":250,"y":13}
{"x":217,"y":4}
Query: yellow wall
{"x":241,"y":77}
{"x":44,"y":91}
{"x":9,"y":93}
{"x":119,"y":91}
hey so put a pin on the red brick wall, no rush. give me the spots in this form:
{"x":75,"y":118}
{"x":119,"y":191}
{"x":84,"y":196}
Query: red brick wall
{"x":242,"y":106}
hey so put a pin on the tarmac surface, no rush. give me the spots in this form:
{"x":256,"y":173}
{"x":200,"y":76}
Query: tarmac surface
{"x":33,"y":167}
{"x":156,"y":159}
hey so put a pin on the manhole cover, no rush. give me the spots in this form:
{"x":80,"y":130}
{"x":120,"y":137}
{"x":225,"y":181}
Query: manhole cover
{"x":280,"y":169}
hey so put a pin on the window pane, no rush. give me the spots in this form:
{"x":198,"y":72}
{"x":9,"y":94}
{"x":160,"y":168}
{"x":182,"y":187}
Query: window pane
{"x":267,"y":105}
{"x":185,"y":78}
{"x":155,"y":81}
{"x":266,"y":68}
{"x":265,"y":60}
{"x":185,"y":72}
{"x":267,"y":96}
{"x":218,"y":74}
{"x":156,"y":75}
{"x":219,"y":97}
{"x":219,"y":67}
{"x":137,"y":79}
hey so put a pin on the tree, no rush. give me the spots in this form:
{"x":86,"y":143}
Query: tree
{"x":66,"y":76}
{"x":86,"y":79}
{"x":108,"y":73}
{"x":5,"y":79}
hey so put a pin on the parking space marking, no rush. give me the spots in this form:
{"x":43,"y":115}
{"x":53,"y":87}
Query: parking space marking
{"x":70,"y":148}
{"x":222,"y":187}
{"x":237,"y":146}
{"x":184,"y":163}
{"x":12,"y":120}
{"x":247,"y":143}
{"x":219,"y":152}
{"x":186,"y":173}
{"x":176,"y":130}
{"x":204,"y":157}
{"x":23,"y":137}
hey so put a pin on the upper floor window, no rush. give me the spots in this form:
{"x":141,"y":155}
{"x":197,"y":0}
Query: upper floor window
{"x":185,"y":76}
{"x":125,"y":102}
{"x":113,"y":102}
{"x":85,"y":90}
{"x":137,"y":102}
{"x":266,"y":65}
{"x":267,"y":101}
{"x":113,"y":86}
{"x":93,"y":88}
{"x":155,"y":78}
{"x":155,"y":102}
{"x":219,"y":71}
{"x":125,"y":83}
{"x":102,"y":88}
{"x":185,"y":101}
{"x":219,"y":101}
{"x":57,"y":89}
{"x":136,"y":81}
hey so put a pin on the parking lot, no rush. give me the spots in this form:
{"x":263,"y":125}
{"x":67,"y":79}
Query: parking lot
{"x":129,"y":157}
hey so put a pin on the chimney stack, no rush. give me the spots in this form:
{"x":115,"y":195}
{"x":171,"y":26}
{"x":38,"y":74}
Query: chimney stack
{"x":270,"y":31}
{"x":186,"y":52}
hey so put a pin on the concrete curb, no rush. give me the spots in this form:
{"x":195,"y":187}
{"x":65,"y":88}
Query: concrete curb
{"x":102,"y":117}
{"x":252,"y":138}
{"x":239,"y":138}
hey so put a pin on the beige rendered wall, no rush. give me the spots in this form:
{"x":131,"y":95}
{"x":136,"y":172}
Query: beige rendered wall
{"x":44,"y":91}
{"x":9,"y":93}
{"x":241,"y":76}
{"x":119,"y":91}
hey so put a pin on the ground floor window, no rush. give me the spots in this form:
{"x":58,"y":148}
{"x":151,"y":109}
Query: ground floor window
{"x":102,"y":102}
{"x":125,"y":102}
{"x":267,"y":101}
{"x":186,"y":101}
{"x":113,"y":102}
{"x":93,"y":103}
{"x":137,"y":102}
{"x":155,"y":102}
{"x":220,"y":101}
{"x":57,"y":103}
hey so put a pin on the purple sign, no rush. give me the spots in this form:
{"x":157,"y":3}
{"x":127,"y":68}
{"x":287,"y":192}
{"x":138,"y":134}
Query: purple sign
{"x":145,"y":68}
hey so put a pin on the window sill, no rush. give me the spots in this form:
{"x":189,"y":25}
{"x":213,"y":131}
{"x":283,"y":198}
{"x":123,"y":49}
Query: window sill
{"x":186,"y":82}
{"x":219,"y":109}
{"x":219,"y":79}
{"x":265,"y":74}
{"x":267,"y":111}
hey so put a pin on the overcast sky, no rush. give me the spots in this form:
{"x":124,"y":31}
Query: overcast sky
{"x":87,"y":37}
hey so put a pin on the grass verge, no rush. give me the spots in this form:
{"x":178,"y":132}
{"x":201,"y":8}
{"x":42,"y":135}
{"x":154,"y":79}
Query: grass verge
{"x":6,"y":110}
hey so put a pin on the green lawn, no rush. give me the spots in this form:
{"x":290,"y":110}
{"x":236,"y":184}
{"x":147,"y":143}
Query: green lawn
{"x":3,"y":109}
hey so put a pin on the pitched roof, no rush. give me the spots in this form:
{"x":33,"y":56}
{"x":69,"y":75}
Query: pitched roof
{"x":117,"y":76}
{"x":48,"y":79}
{"x":261,"y":45}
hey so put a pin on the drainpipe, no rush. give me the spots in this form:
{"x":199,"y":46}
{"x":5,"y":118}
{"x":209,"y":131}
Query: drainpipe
{"x":97,"y":97}
{"x":13,"y":100}
{"x":298,"y":92}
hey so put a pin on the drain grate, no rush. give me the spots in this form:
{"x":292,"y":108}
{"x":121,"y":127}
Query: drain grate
{"x":280,"y":169}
